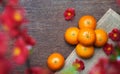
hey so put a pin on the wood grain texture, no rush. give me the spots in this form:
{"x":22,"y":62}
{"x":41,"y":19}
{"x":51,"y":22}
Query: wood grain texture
{"x":47,"y":24}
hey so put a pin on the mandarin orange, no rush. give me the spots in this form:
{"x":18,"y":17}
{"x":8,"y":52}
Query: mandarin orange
{"x":87,"y":21}
{"x":86,"y":36}
{"x":84,"y":51}
{"x":55,"y":61}
{"x":71,"y":35}
{"x":101,"y":37}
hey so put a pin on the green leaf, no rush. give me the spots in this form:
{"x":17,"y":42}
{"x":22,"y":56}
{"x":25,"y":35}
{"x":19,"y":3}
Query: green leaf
{"x":112,"y":57}
{"x":69,"y":70}
{"x":30,"y":51}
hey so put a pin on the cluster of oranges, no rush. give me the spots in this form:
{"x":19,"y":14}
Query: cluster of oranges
{"x":86,"y":36}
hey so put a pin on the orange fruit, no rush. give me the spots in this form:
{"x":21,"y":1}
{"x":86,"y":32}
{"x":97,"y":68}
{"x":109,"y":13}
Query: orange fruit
{"x":86,"y":36}
{"x":55,"y":61}
{"x":101,"y":37}
{"x":87,"y":21}
{"x":84,"y":51}
{"x":71,"y":35}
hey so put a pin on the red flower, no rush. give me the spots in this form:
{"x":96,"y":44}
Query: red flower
{"x":114,"y":68}
{"x":100,"y":67}
{"x":37,"y":70}
{"x":3,"y":43}
{"x":20,"y":52}
{"x":79,"y":64}
{"x":13,"y":17}
{"x":115,"y":34}
{"x":97,"y":70}
{"x":28,"y":39}
{"x":5,"y":66}
{"x":104,"y":66}
{"x":108,"y":48}
{"x":69,"y":13}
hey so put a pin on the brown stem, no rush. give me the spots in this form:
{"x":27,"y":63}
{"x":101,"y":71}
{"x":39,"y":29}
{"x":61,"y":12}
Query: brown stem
{"x":28,"y":66}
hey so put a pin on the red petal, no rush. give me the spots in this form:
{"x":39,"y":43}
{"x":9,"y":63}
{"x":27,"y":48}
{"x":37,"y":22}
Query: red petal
{"x":3,"y":43}
{"x":5,"y":66}
{"x":115,"y":30}
{"x":20,"y":42}
{"x":14,"y":33}
{"x":68,"y":18}
{"x":21,"y":59}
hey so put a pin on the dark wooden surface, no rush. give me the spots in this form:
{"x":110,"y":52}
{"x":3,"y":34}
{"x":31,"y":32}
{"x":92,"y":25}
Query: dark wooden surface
{"x":47,"y":24}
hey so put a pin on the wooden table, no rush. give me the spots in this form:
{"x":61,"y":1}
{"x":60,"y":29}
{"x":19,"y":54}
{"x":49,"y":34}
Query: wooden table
{"x":47,"y":24}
